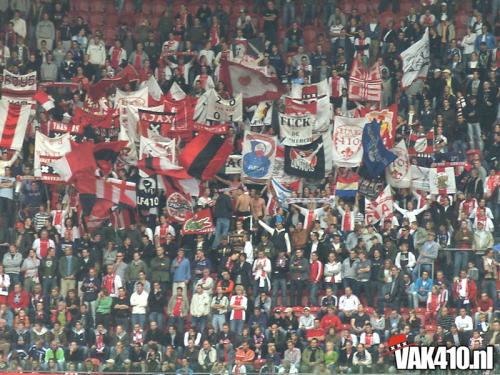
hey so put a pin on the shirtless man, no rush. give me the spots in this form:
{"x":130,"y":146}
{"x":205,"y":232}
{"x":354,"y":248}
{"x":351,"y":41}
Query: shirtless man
{"x":243,"y":204}
{"x":258,"y":206}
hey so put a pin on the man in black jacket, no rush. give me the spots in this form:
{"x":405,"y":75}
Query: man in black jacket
{"x":223,"y":211}
{"x":393,"y":295}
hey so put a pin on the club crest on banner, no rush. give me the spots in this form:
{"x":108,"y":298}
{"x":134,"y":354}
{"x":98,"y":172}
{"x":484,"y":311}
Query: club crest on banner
{"x":179,"y":207}
{"x":258,"y":156}
{"x":347,"y":145}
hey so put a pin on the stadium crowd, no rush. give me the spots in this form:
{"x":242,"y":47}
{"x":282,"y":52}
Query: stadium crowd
{"x":293,"y":290}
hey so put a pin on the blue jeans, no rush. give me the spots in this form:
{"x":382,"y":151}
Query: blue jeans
{"x":139,"y":319}
{"x":199,"y":322}
{"x":47,"y":284}
{"x":158,"y":318}
{"x":221,"y":230}
{"x":474,"y":133}
{"x":313,"y":296}
{"x":237,"y":326}
{"x":288,"y":13}
{"x":278,"y":284}
{"x":460,"y":259}
{"x":218,"y":321}
{"x":490,"y":287}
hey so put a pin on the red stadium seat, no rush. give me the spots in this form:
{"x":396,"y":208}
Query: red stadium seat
{"x":82,"y":6}
{"x":430,"y":328}
{"x":369,"y":310}
{"x":97,"y":6}
{"x":420,"y":310}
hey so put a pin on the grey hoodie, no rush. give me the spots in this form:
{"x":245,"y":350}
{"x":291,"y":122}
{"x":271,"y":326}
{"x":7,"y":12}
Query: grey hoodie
{"x":12,"y":264}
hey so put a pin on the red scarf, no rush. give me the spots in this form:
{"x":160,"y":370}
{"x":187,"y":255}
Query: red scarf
{"x":115,"y":57}
{"x":109,"y":283}
{"x":214,"y":35}
{"x":58,"y":217}
{"x":335,"y":87}
{"x":177,"y":308}
{"x":99,"y":342}
{"x":44,"y":247}
{"x":138,"y":61}
{"x":368,"y":339}
{"x":203,"y":80}
{"x":347,"y":221}
{"x":163,"y":233}
{"x":238,"y":314}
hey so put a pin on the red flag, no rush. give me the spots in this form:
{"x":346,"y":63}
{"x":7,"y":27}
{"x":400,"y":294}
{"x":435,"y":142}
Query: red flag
{"x":85,"y":118}
{"x":162,"y":166}
{"x":116,"y":191}
{"x":98,"y":215}
{"x":79,"y":160}
{"x":99,"y":89}
{"x":44,"y":100}
{"x":205,"y":155}
{"x":200,"y":223}
{"x":13,"y":123}
{"x":365,"y":85}
{"x":254,"y":85}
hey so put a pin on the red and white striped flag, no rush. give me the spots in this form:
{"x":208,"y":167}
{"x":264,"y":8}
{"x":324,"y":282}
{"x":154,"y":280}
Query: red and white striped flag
{"x":162,"y":166}
{"x":13,"y":123}
{"x":80,"y":159}
{"x":44,"y":100}
{"x":365,"y":85}
{"x":116,"y":191}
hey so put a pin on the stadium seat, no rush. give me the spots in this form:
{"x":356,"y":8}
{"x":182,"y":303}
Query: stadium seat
{"x":430,"y":328}
{"x":369,"y":310}
{"x":97,"y":6}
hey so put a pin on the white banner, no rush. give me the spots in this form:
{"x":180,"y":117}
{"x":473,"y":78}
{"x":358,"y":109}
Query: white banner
{"x":18,"y":88}
{"x":48,"y":150}
{"x":420,"y":178}
{"x":416,"y":60}
{"x":123,"y":100}
{"x":263,"y":114}
{"x":130,"y":120}
{"x":347,"y":146}
{"x":158,"y":148}
{"x":223,"y":110}
{"x":442,"y":180}
{"x":379,"y":208}
{"x":398,"y":173}
{"x":259,"y":151}
{"x":312,"y":91}
{"x":296,"y":130}
{"x":233,"y":165}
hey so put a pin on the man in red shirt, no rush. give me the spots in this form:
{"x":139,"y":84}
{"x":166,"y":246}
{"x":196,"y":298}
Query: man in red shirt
{"x":315,"y":277}
{"x":484,"y":306}
{"x":331,"y":320}
{"x":317,"y":332}
{"x":18,"y":299}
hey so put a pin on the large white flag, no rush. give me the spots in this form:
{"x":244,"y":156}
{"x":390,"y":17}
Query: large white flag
{"x":416,"y":60}
{"x":380,"y":208}
{"x":347,"y":146}
{"x":158,"y":148}
{"x":312,"y":91}
{"x":48,"y":150}
{"x":224,"y":110}
{"x":296,"y":130}
{"x":13,"y":123}
{"x":398,"y":173}
{"x":442,"y":180}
